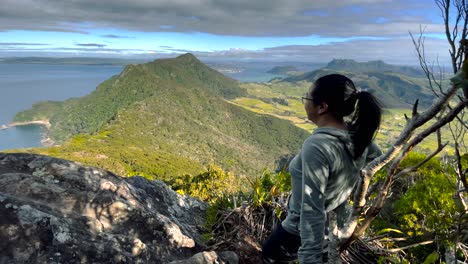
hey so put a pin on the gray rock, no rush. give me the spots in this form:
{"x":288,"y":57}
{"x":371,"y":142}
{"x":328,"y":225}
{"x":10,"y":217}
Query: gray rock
{"x":57,"y":211}
{"x":211,"y":257}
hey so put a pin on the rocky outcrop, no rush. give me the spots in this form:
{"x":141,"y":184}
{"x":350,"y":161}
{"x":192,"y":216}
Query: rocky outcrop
{"x":210,"y":257}
{"x":57,"y":211}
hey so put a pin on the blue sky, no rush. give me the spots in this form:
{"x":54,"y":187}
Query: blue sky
{"x":293,"y":30}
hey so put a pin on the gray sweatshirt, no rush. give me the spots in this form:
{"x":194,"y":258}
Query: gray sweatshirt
{"x":323,"y":175}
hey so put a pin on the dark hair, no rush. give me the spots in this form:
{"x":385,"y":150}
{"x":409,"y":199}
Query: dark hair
{"x":343,"y":99}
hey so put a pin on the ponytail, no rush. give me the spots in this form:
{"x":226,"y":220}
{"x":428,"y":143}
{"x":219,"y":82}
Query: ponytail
{"x":343,"y":99}
{"x":365,"y":121}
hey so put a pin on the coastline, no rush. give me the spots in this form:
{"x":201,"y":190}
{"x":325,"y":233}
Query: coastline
{"x":46,"y":141}
{"x":44,"y":122}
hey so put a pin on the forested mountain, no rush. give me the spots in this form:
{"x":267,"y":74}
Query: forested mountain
{"x":135,"y":83}
{"x":167,"y":117}
{"x":387,"y":82}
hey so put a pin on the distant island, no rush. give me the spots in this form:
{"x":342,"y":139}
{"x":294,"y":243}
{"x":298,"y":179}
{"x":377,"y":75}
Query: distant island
{"x":284,"y":70}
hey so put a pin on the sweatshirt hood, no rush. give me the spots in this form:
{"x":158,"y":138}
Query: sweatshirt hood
{"x":343,"y":135}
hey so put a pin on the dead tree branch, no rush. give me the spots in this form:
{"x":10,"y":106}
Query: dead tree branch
{"x":399,"y":150}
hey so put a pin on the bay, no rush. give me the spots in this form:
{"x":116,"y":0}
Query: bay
{"x":22,"y":85}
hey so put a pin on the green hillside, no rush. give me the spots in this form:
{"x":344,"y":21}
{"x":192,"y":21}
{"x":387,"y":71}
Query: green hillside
{"x":165,"y":118}
{"x":394,"y":89}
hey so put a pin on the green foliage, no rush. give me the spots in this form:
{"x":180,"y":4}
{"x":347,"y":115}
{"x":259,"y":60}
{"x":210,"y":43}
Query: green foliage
{"x":387,"y":230}
{"x":39,"y":111}
{"x":267,"y":188}
{"x":432,"y":258}
{"x":427,"y":206}
{"x":422,"y":208}
{"x":212,"y":185}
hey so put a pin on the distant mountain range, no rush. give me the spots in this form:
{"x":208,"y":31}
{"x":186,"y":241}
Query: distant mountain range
{"x":167,"y":117}
{"x":373,"y":66}
{"x":395,"y":86}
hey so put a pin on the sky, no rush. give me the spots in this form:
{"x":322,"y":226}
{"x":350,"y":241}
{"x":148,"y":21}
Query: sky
{"x":315,"y":31}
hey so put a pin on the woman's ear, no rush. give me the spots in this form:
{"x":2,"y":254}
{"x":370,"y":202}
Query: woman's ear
{"x":322,"y":108}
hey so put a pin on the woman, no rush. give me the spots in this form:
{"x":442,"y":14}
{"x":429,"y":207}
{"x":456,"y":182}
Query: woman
{"x":326,"y":170}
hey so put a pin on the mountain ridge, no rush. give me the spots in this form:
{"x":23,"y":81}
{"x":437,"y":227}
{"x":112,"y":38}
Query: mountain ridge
{"x":372,"y":66}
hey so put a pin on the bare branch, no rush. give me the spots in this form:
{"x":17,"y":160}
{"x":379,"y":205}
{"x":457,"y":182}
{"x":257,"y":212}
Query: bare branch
{"x":459,"y":168}
{"x":377,"y":163}
{"x":444,"y":6}
{"x":428,"y":71}
{"x":415,"y":109}
{"x":440,"y":123}
{"x":394,"y":250}
{"x":412,"y":124}
{"x":333,"y":253}
{"x":462,"y":13}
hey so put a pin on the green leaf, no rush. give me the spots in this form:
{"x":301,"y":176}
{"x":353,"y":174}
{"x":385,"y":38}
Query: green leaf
{"x":387,"y":230}
{"x":432,"y":258}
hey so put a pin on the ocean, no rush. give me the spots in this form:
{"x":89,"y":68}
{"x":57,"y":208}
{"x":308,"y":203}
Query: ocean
{"x":22,"y":85}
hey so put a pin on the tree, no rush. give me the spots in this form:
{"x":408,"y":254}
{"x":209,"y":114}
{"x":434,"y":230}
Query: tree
{"x":449,"y":105}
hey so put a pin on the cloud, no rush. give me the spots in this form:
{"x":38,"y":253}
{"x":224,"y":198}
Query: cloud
{"x":90,"y":45}
{"x":105,"y":50}
{"x":21,"y":44}
{"x":343,"y":18}
{"x":394,"y":51}
{"x":178,"y":50}
{"x":114,"y":36}
{"x":359,"y":50}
